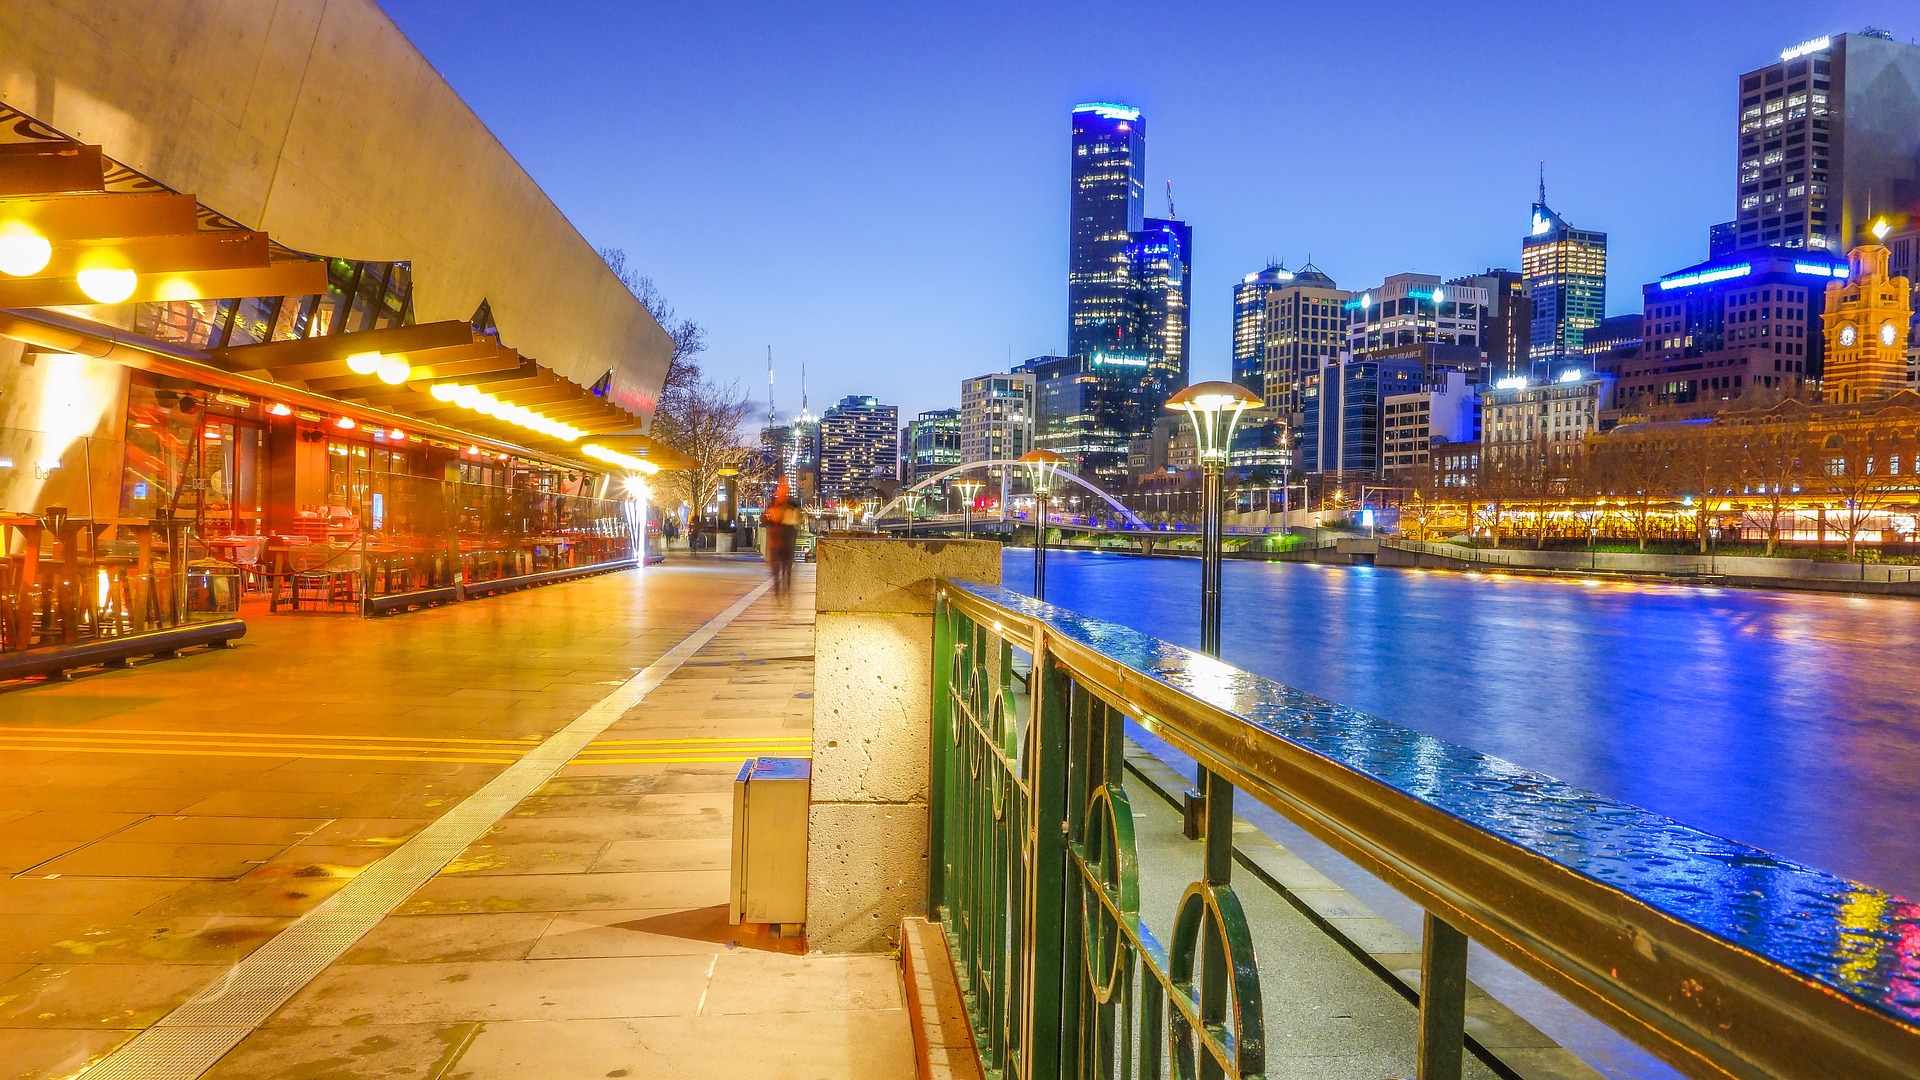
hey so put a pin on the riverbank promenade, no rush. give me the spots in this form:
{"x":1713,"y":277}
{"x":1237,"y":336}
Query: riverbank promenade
{"x":162,"y":830}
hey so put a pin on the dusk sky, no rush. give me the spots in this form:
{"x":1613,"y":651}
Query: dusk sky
{"x":880,"y":190}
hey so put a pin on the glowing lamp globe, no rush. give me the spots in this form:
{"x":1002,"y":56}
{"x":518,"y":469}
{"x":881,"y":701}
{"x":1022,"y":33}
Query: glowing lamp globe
{"x":393,"y":371}
{"x":23,"y":251}
{"x":1214,"y":408}
{"x":364,"y":363}
{"x":107,"y":286}
{"x":1041,"y":466}
{"x":444,"y":391}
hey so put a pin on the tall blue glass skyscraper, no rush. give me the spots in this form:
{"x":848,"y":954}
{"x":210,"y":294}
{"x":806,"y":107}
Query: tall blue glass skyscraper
{"x":1109,"y":187}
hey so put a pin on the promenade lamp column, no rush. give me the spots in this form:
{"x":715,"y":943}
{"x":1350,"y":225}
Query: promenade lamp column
{"x":1214,"y":409}
{"x":969,"y":490}
{"x":1042,"y":466}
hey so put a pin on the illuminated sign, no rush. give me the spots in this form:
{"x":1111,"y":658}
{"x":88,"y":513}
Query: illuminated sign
{"x":1541,"y":224}
{"x":1511,"y":382}
{"x":1105,"y":359}
{"x":1703,"y":277}
{"x":1108,"y":111}
{"x":1571,"y":376}
{"x":1820,"y":269}
{"x":1819,"y":44}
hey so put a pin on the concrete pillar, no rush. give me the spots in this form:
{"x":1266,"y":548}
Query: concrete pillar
{"x":867,"y":841}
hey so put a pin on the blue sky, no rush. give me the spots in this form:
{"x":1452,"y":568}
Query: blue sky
{"x":880,"y":190}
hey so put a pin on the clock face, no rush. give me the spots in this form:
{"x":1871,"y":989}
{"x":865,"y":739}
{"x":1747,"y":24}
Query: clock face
{"x":1888,"y":333}
{"x":1847,"y":335}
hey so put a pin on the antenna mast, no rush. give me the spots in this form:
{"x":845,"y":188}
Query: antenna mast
{"x":1171,"y":215}
{"x":770,"y":415}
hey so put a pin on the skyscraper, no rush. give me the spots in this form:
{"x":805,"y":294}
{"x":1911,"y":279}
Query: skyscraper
{"x":1108,"y":188}
{"x":1506,"y":323}
{"x":1250,"y":324}
{"x":1305,"y":328}
{"x":1829,"y":137}
{"x":1564,"y":270}
{"x":931,"y":444}
{"x":1128,"y":276}
{"x":859,"y":442}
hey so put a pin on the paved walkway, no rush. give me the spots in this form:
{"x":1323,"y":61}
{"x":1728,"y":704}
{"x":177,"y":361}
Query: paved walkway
{"x":158,"y":825}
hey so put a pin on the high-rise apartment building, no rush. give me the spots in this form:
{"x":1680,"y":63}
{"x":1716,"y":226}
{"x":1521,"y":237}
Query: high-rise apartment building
{"x":859,"y":443}
{"x":1829,"y":137}
{"x":931,"y":444}
{"x":1564,"y":270}
{"x":996,"y":415}
{"x":1304,"y":327}
{"x":1106,"y":211}
{"x":1250,"y":325}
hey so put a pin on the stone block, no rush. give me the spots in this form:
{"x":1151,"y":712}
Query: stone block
{"x":872,"y":706}
{"x":896,"y":576}
{"x":866,"y":871}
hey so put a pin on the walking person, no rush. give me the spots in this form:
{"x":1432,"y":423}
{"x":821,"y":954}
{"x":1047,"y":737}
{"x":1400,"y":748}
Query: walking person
{"x":782,"y":524}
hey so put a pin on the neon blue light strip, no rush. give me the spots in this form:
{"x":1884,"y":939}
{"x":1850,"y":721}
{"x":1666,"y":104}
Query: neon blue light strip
{"x":1821,"y":269}
{"x":1108,"y":111}
{"x":1686,"y":281}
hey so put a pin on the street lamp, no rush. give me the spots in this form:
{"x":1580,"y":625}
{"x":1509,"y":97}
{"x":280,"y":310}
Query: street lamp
{"x":1214,"y":409}
{"x":1041,"y":466}
{"x":969,"y":490}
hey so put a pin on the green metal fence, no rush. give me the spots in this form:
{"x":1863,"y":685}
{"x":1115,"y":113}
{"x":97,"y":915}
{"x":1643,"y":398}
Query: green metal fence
{"x":1723,"y":960}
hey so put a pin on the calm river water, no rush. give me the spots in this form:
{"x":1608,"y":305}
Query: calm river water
{"x":1790,"y":721}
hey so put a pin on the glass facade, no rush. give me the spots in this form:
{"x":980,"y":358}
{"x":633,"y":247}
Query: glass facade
{"x":931,"y":445}
{"x":360,"y":296}
{"x":1564,"y":270}
{"x":1086,"y":407}
{"x":1108,"y":188}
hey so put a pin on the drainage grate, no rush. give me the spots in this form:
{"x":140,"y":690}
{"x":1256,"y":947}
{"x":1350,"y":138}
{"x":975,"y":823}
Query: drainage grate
{"x":190,"y":1039}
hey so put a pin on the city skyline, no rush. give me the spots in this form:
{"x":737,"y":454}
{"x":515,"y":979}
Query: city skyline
{"x":1641,"y":151}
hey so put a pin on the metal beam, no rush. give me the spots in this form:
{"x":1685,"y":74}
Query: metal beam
{"x":232,"y":249}
{"x":46,"y":168}
{"x":274,"y":356}
{"x":91,"y":217}
{"x":294,"y":278}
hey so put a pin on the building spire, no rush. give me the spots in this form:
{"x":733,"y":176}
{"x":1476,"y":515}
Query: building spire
{"x":770,"y":414}
{"x":1543,"y":182}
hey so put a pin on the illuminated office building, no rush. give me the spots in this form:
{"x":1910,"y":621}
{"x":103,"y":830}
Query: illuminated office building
{"x":1302,"y":321}
{"x":1105,"y":204}
{"x":1727,"y":328}
{"x":931,"y":444}
{"x":1564,"y":270}
{"x":1162,"y":262}
{"x":1829,"y":137}
{"x":859,"y":440}
{"x":1506,"y":322}
{"x":1416,"y":315}
{"x":1086,"y":409}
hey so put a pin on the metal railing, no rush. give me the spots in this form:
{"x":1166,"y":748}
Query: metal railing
{"x":1724,"y":960}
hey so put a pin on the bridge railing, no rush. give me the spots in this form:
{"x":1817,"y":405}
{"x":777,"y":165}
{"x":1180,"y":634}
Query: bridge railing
{"x":1724,"y":960}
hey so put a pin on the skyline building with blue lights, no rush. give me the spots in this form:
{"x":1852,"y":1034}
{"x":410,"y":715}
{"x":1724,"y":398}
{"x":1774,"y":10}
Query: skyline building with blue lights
{"x":1742,"y":326}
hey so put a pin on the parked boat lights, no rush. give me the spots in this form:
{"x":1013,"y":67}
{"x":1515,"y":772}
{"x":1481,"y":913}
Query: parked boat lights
{"x":473,"y":400}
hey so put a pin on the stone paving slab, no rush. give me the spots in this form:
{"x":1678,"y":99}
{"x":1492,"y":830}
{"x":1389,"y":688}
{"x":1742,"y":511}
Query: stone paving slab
{"x":586,"y":934}
{"x":162,"y":822}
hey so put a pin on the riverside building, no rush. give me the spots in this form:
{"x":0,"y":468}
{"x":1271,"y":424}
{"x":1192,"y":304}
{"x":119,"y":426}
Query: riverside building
{"x":1564,"y":271}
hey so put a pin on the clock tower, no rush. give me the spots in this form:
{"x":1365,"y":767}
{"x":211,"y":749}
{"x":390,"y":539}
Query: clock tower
{"x":1867,"y":319}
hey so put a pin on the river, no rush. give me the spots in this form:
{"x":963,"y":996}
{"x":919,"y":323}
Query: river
{"x":1789,"y":721}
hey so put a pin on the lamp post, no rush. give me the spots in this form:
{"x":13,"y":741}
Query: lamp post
{"x":1214,"y":408}
{"x":1041,"y":465}
{"x":969,"y":490}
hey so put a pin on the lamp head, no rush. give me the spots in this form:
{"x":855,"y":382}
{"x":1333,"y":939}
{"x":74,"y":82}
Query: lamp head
{"x":1041,"y":465}
{"x":1214,"y":409}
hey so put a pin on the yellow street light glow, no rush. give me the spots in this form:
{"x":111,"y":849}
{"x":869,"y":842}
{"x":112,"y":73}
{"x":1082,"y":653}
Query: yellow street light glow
{"x":104,"y":285}
{"x":23,"y":251}
{"x":444,"y":391}
{"x":364,"y":363}
{"x":485,"y":404}
{"x":393,"y":371}
{"x":1881,"y":229}
{"x":466,"y":397}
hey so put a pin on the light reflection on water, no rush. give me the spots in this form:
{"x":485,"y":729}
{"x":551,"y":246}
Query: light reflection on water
{"x":1789,"y":721}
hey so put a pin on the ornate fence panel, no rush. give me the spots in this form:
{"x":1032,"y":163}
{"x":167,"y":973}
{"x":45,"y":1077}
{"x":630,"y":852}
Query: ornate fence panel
{"x":1724,"y":960}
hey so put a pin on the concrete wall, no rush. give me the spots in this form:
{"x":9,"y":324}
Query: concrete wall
{"x":867,"y":845}
{"x":319,"y":122}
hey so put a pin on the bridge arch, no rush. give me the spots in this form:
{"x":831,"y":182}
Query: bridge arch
{"x":1132,"y":519}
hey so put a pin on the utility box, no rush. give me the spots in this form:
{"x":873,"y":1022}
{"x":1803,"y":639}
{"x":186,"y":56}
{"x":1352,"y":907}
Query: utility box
{"x":770,"y":843}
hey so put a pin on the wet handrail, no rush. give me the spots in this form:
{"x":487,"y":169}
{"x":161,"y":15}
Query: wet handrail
{"x":1723,"y":959}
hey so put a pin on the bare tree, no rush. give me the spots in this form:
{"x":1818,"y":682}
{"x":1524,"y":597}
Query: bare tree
{"x":1636,"y":472}
{"x":1703,"y":466}
{"x":705,"y":423}
{"x":1858,"y":472}
{"x":1772,"y":460}
{"x":689,"y":337}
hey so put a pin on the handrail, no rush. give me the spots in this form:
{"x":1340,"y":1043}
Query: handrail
{"x":1723,"y":959}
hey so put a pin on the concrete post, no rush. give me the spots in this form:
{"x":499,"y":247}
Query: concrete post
{"x":867,"y":842}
